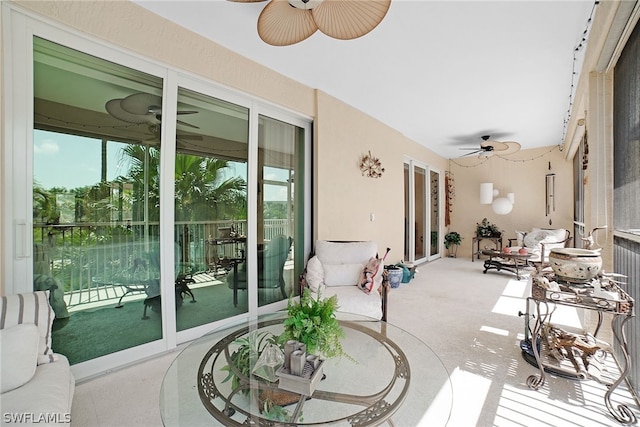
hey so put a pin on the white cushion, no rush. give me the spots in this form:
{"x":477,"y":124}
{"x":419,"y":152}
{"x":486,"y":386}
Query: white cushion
{"x":50,"y":391}
{"x":342,"y":274}
{"x":19,"y":355}
{"x":537,"y":236}
{"x":520,"y":237}
{"x":32,"y":307}
{"x":315,"y":275}
{"x":345,"y":252}
{"x":353,"y":300}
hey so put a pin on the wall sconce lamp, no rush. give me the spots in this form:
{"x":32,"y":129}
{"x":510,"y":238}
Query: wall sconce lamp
{"x":500,"y":205}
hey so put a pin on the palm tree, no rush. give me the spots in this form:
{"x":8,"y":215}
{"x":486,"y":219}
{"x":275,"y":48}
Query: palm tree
{"x":201,"y":191}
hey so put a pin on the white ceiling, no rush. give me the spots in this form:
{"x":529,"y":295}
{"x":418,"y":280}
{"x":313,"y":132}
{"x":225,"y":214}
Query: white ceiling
{"x":443,"y":73}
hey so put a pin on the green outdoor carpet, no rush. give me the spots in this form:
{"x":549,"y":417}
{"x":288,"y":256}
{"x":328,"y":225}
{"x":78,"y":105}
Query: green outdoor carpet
{"x":95,"y":332}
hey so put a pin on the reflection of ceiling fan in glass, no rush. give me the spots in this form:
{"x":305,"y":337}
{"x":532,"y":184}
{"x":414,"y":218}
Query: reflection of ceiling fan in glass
{"x":286,"y":22}
{"x":488,"y":147}
{"x":142,"y":108}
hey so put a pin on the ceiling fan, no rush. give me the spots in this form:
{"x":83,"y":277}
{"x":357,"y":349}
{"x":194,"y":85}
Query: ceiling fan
{"x":286,"y":22}
{"x":489,"y":147}
{"x":141,"y":108}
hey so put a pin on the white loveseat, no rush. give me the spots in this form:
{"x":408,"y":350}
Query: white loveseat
{"x":338,"y":268}
{"x":37,"y":384}
{"x":539,"y":242}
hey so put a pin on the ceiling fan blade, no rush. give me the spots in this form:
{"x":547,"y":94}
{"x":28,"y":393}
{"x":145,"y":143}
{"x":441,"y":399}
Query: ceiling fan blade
{"x":496,"y":145}
{"x":189,"y":137}
{"x":180,"y":122}
{"x":280,"y":24}
{"x":142,"y":103}
{"x":349,"y":19}
{"x":472,"y":153}
{"x":512,"y":147}
{"x":188,"y":112}
{"x":115,"y":109}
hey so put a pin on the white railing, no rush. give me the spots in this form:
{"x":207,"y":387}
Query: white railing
{"x":87,"y":260}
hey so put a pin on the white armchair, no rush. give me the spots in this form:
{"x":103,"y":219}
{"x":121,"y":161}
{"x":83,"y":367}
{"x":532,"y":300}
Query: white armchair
{"x":338,"y":268}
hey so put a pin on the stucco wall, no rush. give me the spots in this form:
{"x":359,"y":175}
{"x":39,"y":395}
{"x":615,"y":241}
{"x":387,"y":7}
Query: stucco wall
{"x":345,"y":199}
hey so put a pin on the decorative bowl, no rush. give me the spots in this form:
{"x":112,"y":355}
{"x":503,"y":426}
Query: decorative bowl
{"x":574,"y":264}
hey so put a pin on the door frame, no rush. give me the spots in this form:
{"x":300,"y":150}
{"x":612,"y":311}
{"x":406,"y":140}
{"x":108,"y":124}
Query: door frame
{"x":410,"y":204}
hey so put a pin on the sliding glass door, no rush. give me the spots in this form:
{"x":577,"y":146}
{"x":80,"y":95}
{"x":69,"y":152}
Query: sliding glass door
{"x":96,"y":169}
{"x":161,"y":204}
{"x":422,"y":206}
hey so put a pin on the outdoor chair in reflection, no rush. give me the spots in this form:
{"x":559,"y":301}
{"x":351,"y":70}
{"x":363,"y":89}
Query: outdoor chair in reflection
{"x":271,"y":260}
{"x":143,"y":275}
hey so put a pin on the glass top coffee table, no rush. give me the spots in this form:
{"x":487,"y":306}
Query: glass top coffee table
{"x":395,"y":379}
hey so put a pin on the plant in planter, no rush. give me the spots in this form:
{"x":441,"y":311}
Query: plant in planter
{"x":246,"y":355}
{"x":487,"y":229}
{"x":312,"y":321}
{"x":451,"y":241}
{"x":244,"y":358}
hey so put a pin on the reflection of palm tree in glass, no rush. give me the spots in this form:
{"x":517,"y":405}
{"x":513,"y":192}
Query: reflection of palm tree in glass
{"x":201,"y":192}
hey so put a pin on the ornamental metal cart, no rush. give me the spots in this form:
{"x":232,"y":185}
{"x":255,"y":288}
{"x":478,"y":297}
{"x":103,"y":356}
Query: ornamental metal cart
{"x":579,"y":356}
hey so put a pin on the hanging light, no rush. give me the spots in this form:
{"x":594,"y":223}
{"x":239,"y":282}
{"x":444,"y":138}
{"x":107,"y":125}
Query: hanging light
{"x":486,"y":193}
{"x":502,"y":206}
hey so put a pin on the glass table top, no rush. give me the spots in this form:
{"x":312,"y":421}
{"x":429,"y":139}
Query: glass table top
{"x":394,"y":378}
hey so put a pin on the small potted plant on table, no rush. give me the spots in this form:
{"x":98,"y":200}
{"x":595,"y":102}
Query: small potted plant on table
{"x":487,"y":229}
{"x":451,"y":241}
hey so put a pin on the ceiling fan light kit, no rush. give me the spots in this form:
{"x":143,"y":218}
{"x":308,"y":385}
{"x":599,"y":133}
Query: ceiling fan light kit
{"x":286,"y":22}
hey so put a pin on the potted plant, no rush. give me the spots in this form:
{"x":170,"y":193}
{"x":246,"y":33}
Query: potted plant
{"x":451,"y":241}
{"x":487,"y":229}
{"x":312,"y":321}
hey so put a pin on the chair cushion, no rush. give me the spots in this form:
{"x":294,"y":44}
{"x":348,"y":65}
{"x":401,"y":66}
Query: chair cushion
{"x":19,"y":351}
{"x":353,"y":300}
{"x":345,"y":252}
{"x":342,"y":274}
{"x":32,"y":307}
{"x":537,"y":236}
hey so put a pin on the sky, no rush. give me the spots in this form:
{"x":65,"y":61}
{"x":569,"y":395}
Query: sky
{"x":69,"y":161}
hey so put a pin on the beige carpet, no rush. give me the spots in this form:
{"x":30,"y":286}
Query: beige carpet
{"x":468,"y":318}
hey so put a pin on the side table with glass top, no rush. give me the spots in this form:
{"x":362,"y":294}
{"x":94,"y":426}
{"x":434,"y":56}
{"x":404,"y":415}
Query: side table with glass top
{"x":394,"y":378}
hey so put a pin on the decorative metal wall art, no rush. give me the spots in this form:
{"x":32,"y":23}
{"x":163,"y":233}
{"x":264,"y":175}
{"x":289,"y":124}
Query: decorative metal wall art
{"x":371,"y":166}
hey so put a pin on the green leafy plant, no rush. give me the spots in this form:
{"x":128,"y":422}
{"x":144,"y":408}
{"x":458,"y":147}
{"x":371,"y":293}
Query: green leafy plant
{"x":452,"y":238}
{"x":246,"y":355}
{"x":312,"y":321}
{"x":487,"y":229}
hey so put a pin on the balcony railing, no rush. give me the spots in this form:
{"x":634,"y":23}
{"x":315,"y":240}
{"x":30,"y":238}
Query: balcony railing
{"x":89,"y":260}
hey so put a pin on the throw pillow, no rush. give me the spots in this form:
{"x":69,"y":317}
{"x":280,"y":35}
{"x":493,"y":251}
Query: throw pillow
{"x":372,"y":271}
{"x":19,"y":352}
{"x":533,"y":239}
{"x":315,"y":275}
{"x":520,"y":235}
{"x":32,"y":307}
